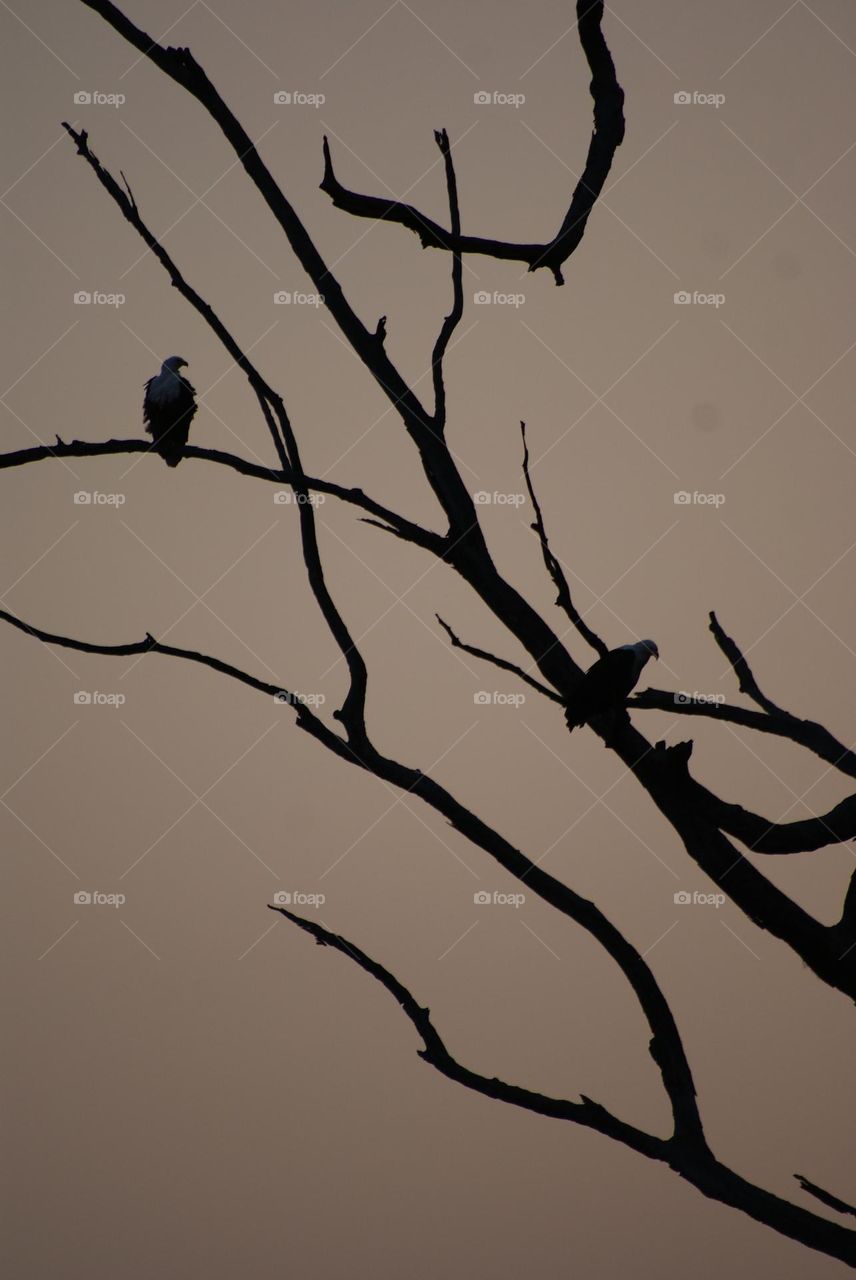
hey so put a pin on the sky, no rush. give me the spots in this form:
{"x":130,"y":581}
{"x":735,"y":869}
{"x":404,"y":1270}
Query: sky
{"x":193,"y":1087}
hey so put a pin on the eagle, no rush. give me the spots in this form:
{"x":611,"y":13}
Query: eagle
{"x":168,"y":408}
{"x":606,"y":684}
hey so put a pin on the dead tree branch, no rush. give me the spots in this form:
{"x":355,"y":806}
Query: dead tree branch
{"x":607,"y":136}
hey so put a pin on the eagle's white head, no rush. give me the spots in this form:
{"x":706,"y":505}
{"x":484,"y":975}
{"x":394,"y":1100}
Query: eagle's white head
{"x":172,"y":364}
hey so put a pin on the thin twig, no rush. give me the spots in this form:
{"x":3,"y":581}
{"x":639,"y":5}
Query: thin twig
{"x":502,"y":663}
{"x":554,"y":568}
{"x":746,"y":680}
{"x":607,"y":136}
{"x":805,"y":733}
{"x":390,"y":521}
{"x":451,"y":321}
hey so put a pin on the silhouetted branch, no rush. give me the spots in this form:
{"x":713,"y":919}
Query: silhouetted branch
{"x":746,"y":680}
{"x":587,"y":1112}
{"x":148,"y":645}
{"x":502,"y":663}
{"x":467,"y":551}
{"x":451,"y":321}
{"x":407,"y":530}
{"x":352,"y":711}
{"x":695,"y":813}
{"x":665,"y":1046}
{"x":825,"y":1197}
{"x":607,"y":136}
{"x":130,"y":212}
{"x":692,"y":1160}
{"x":805,"y":733}
{"x":698,"y":816}
{"x":182,"y":67}
{"x":554,"y":568}
{"x":802,"y":836}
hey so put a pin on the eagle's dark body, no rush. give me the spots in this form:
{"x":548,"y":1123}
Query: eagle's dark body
{"x":168,"y":408}
{"x":607,"y":684}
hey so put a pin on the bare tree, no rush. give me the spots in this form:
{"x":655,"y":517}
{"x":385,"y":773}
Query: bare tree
{"x":703,"y":820}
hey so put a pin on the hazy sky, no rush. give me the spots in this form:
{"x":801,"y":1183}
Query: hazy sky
{"x":194,"y":1088}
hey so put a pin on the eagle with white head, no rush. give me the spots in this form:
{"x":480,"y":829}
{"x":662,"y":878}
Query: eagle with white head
{"x":168,"y":408}
{"x":607,"y":684}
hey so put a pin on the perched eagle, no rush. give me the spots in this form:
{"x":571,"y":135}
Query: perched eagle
{"x":168,"y":408}
{"x":606,"y":684}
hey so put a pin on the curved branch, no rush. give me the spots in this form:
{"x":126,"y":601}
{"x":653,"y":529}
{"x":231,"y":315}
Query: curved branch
{"x":802,"y":836}
{"x":825,"y":1197}
{"x":746,"y":680}
{"x":587,"y":1112}
{"x":502,"y":663}
{"x":781,"y":724}
{"x":466,"y":549}
{"x":467,"y":552}
{"x":353,"y":710}
{"x":554,"y":568}
{"x":150,"y":645}
{"x":607,"y":136}
{"x":452,"y":320}
{"x":664,"y":773}
{"x":665,"y":1046}
{"x":407,"y":530}
{"x":696,"y":1164}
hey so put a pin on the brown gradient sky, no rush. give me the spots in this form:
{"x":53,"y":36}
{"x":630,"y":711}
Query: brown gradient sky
{"x":193,"y":1088}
